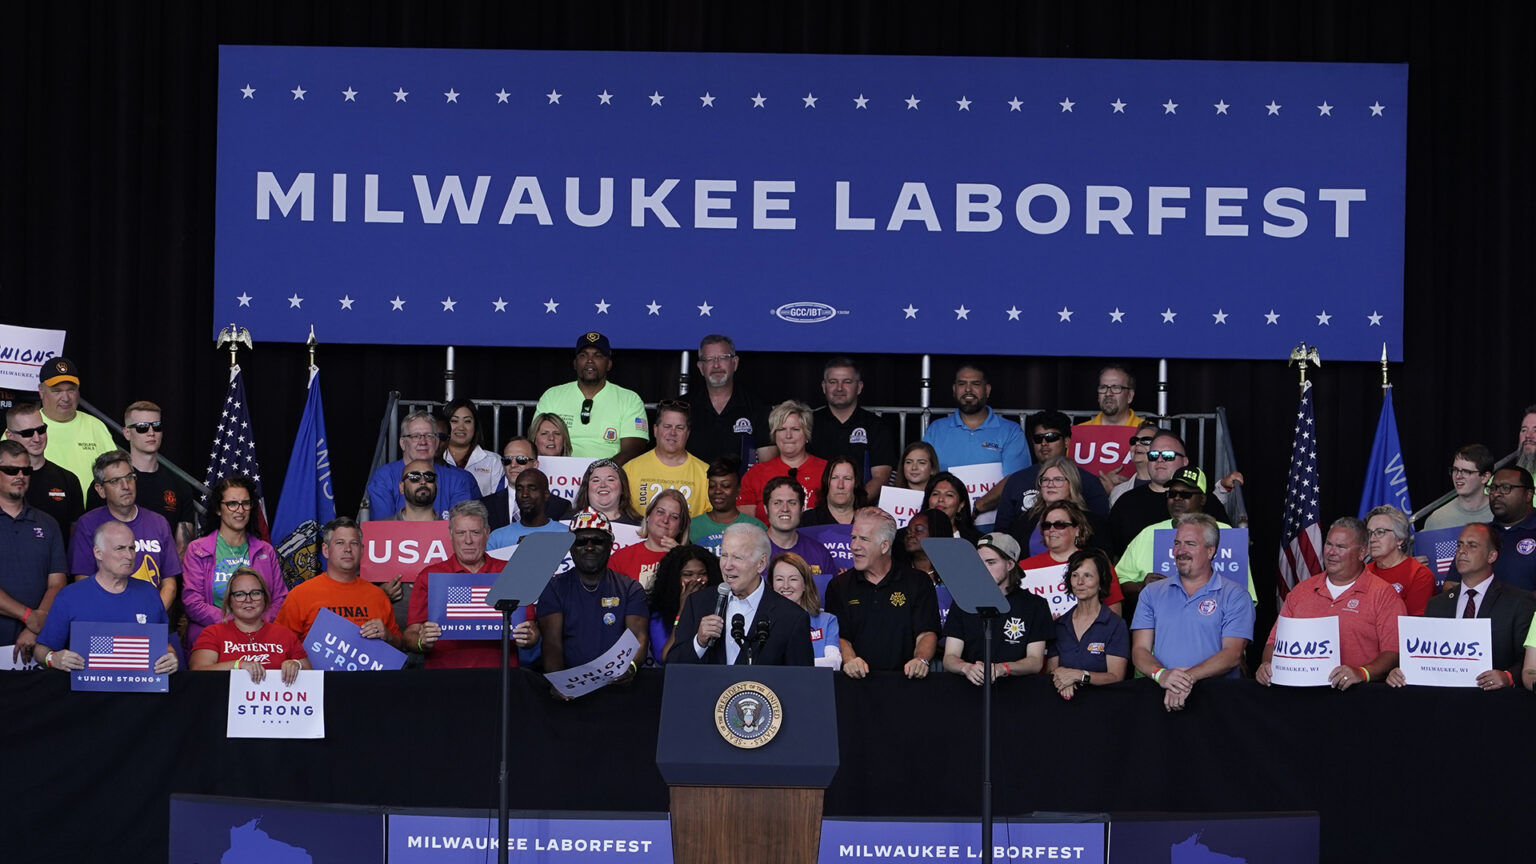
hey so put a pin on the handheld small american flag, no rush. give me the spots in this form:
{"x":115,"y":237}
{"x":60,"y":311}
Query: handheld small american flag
{"x":234,"y":448}
{"x":1445,"y":556}
{"x":1302,"y":536}
{"x":469,"y":603}
{"x":118,"y":652}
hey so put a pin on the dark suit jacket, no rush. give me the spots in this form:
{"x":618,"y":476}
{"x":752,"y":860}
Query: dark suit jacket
{"x":789,"y":634}
{"x":500,"y":514}
{"x":1509,"y":610}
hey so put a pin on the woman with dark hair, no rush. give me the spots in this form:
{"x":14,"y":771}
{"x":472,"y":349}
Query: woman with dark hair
{"x":946,"y":492}
{"x":791,"y":577}
{"x":841,"y":495}
{"x":907,"y":551}
{"x":246,"y":638}
{"x":212,"y":559}
{"x":919,"y":462}
{"x":1019,"y":637}
{"x":464,"y":450}
{"x":682,"y":571}
{"x":1066,"y":530}
{"x":1092,"y":644}
{"x":550,"y":436}
{"x":605,"y":488}
{"x":665,"y":528}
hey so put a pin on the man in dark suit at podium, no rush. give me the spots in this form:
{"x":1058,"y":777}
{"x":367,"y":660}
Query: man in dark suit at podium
{"x":774,"y":631}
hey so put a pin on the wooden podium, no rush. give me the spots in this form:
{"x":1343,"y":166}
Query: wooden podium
{"x":748,"y":752}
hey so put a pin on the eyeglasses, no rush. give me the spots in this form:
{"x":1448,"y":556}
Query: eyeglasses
{"x":1506,"y":488}
{"x":677,"y":405}
{"x":1046,"y":437}
{"x":247,"y":595}
{"x":118,"y":481}
{"x":237,"y":505}
{"x":1057,"y":526}
{"x":142,"y":428}
{"x":28,"y":433}
{"x":1143,"y":441}
{"x":421,"y":476}
{"x":718,"y":358}
{"x":1464,"y":472}
{"x":1182,"y":494}
{"x":521,"y":460}
{"x":1116,"y":389}
{"x":1163,"y":455}
{"x":13,"y":470}
{"x":428,"y":436}
{"x":1052,"y":481}
{"x":1378,"y":532}
{"x":589,"y":541}
{"x":586,"y":412}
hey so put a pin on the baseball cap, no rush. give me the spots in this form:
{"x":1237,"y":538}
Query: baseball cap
{"x":58,"y":370}
{"x":594,"y":339}
{"x":1003,"y":543}
{"x":591,"y":520}
{"x":1190,"y":476}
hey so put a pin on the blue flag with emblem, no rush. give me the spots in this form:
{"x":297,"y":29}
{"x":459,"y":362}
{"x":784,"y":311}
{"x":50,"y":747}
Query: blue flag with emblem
{"x":307,"y":502}
{"x":1386,"y":480}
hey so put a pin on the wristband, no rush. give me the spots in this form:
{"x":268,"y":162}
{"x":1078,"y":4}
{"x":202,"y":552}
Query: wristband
{"x":27,"y":614}
{"x":237,"y":662}
{"x":1367,"y":673}
{"x":48,"y":659}
{"x":1087,"y":676}
{"x":1510,"y":676}
{"x":634,"y":668}
{"x":1158,"y":675}
{"x":1006,"y":671}
{"x":419,"y":649}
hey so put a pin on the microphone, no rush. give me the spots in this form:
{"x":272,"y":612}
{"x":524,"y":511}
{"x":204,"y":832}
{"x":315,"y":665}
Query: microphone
{"x":724,"y":591}
{"x":739,"y":628}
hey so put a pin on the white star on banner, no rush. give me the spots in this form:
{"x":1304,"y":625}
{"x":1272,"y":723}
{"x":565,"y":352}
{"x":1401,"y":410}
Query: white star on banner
{"x":1117,"y":317}
{"x":1118,"y":106}
{"x":247,"y":92}
{"x":653,"y":308}
{"x":1325,"y":110}
{"x":1323,"y":318}
{"x":1274,"y":109}
{"x":860,"y":102}
{"x":501,"y":96}
{"x":1169,"y":315}
{"x":962,"y":314}
{"x":295,"y":301}
{"x":656,"y":97}
{"x":1064,"y":315}
{"x":1066,"y":105}
{"x":551,"y":306}
{"x":1221,"y":106}
{"x":759,"y":100}
{"x":499,"y":304}
{"x":1014,"y":103}
{"x":396,"y":304}
{"x":1170,"y":107}
{"x":298,"y":93}
{"x":1013,"y":313}
{"x":349,"y":95}
{"x":448,"y":304}
{"x":964,"y":103}
{"x":1220,"y":316}
{"x":809,"y":99}
{"x":400,"y":94}
{"x":912,"y":101}
{"x":347,"y":301}
{"x":1376,"y":109}
{"x":553,"y":96}
{"x":911,"y":311}
{"x":1374,"y":318}
{"x":605,"y":98}
{"x":704,"y":309}
{"x":244,"y":298}
{"x":706,"y":101}
{"x":602,"y":306}
{"x":1271,"y":317}
{"x":451,"y":96}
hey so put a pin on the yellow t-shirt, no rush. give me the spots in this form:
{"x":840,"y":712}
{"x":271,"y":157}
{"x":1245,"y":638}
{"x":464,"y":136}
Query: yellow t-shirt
{"x":648,"y":476}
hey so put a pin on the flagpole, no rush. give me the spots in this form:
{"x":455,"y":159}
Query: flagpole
{"x":1385,"y":384}
{"x":1301,"y":355}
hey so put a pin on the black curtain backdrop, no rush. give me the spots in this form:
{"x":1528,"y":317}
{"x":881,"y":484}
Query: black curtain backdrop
{"x":106,"y":222}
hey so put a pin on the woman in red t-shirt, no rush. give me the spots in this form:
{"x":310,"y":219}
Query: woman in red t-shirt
{"x":665,"y":527}
{"x":1064,"y":526}
{"x":243,"y":640}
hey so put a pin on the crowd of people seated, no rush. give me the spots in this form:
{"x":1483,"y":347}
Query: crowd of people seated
{"x":746,"y":532}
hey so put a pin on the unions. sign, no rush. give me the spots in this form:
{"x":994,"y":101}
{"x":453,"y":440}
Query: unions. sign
{"x":22,"y":352}
{"x":1444,"y":652}
{"x":1306,"y":650}
{"x":1050,"y":584}
{"x":1168,"y":208}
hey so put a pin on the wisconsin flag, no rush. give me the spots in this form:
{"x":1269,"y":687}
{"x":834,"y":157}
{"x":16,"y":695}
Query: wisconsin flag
{"x":1386,"y":480}
{"x":307,"y":502}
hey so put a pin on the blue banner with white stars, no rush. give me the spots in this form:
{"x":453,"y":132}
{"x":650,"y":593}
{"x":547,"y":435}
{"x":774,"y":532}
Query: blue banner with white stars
{"x":813,"y":203}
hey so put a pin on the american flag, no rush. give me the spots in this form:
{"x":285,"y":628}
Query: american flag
{"x":1303,"y":535}
{"x":234,"y":449}
{"x":118,"y":652}
{"x":469,"y":603}
{"x":1445,"y":556}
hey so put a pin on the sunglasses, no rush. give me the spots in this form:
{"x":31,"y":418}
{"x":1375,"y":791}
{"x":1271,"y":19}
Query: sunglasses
{"x":1046,"y":437}
{"x":421,"y":476}
{"x":1182,"y":494}
{"x":1143,"y":441}
{"x":520,"y":460}
{"x":142,"y":428}
{"x":1163,"y":455}
{"x":1057,"y":526}
{"x":28,"y":433}
{"x":13,"y":470}
{"x":590,"y":541}
{"x":677,"y":405}
{"x":586,"y":412}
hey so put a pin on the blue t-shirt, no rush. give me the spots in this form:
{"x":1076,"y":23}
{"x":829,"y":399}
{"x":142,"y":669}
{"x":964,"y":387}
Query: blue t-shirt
{"x":513,"y":534}
{"x":1106,"y":637}
{"x":1188,"y":630}
{"x":824,"y":633}
{"x":34,"y":548}
{"x":996,"y":440}
{"x":454,"y":484}
{"x":86,"y":600}
{"x":594,"y":619}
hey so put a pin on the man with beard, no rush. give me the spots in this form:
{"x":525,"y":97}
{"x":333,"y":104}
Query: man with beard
{"x":974,"y":434}
{"x":418,"y":488}
{"x":584,"y":611}
{"x":32,"y":568}
{"x":1195,"y":626}
{"x":606,"y":421}
{"x":1527,"y":457}
{"x":1116,"y":390}
{"x":419,"y":440}
{"x":1509,"y":497}
{"x":727,"y":420}
{"x":1138,"y":566}
{"x":1145,"y":505}
{"x":843,"y":428}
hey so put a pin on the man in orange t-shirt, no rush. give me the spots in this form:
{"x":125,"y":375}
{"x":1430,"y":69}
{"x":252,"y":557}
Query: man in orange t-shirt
{"x":340,"y":590}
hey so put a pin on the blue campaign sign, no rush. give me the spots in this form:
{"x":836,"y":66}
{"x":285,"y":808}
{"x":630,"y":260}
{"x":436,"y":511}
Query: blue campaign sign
{"x":1438,"y":546}
{"x":335,"y":644}
{"x":640,"y":838}
{"x":878,"y":840}
{"x":1253,"y":838}
{"x":1231,"y":554}
{"x":811,"y":202}
{"x":254,"y":831}
{"x":118,"y":657}
{"x":456,"y":601}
